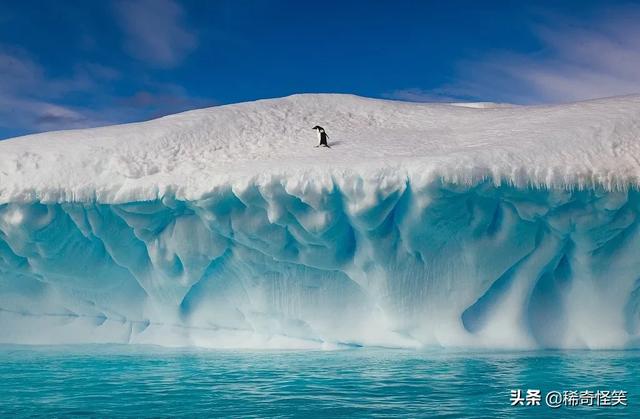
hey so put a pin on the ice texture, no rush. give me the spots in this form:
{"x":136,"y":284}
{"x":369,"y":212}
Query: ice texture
{"x":425,"y":224}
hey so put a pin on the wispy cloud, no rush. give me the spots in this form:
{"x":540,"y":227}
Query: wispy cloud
{"x":156,"y":31}
{"x":161,"y":99}
{"x":586,"y":62}
{"x":28,"y":114}
{"x":18,"y":70}
{"x":31,"y":100}
{"x":576,"y":60}
{"x":415,"y":94}
{"x":51,"y":116}
{"x":28,"y":97}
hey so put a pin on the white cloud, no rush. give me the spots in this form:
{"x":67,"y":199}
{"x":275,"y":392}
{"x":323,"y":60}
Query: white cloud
{"x":576,"y":61}
{"x":31,"y":100}
{"x":18,"y":70}
{"x":156,"y":31}
{"x":586,"y":62}
{"x":415,"y":94}
{"x":36,"y":115}
{"x":28,"y":97}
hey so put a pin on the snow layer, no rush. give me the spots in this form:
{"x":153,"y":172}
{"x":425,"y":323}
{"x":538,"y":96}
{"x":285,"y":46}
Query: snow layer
{"x":188,"y":155}
{"x":423,"y":225}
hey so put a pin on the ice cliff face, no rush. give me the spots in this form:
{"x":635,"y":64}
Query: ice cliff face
{"x":390,"y":240}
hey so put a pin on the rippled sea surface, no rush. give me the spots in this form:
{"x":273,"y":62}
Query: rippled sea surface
{"x":140,"y":381}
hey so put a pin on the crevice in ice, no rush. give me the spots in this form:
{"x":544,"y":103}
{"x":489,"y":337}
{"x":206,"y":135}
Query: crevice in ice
{"x":632,"y":311}
{"x":476,"y":316}
{"x":546,"y":311}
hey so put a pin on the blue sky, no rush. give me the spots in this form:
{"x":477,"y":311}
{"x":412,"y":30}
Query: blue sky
{"x":71,"y":64}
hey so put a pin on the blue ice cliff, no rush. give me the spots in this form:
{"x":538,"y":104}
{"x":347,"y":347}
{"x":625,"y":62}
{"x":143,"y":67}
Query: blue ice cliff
{"x":456,"y":225}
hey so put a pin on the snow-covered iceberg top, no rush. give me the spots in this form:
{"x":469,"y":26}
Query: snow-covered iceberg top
{"x":226,"y":227}
{"x":188,"y":155}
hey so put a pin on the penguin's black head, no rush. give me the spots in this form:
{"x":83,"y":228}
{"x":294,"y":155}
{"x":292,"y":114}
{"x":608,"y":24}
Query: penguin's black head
{"x":318,"y":127}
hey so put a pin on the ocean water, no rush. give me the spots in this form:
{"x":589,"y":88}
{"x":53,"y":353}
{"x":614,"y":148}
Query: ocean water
{"x":142,"y":381}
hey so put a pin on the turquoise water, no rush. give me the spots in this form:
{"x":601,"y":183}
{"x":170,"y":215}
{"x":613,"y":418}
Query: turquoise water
{"x":140,"y":381}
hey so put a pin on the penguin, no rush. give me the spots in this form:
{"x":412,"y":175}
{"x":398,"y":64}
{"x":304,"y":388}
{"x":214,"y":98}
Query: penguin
{"x":322,"y":136}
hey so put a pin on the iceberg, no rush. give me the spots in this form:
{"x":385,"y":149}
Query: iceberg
{"x":424,"y":225}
